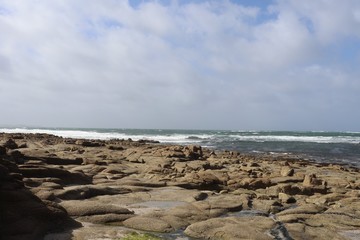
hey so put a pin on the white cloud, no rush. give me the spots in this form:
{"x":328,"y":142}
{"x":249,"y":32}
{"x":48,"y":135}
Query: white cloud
{"x":208,"y":64}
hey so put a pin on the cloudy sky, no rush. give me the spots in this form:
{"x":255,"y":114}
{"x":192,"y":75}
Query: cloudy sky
{"x":245,"y":65}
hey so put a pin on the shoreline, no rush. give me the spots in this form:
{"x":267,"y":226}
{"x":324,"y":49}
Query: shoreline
{"x":332,"y":147}
{"x":135,"y":184}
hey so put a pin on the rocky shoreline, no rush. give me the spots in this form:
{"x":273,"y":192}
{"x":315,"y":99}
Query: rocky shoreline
{"x":60,"y":188}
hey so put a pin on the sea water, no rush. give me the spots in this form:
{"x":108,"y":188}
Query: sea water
{"x":337,"y":147}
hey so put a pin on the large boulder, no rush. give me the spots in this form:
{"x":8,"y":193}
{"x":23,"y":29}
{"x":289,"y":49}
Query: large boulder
{"x":25,"y":216}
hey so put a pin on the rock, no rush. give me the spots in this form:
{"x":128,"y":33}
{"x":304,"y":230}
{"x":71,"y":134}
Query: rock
{"x":304,"y":209}
{"x":252,"y":227}
{"x":2,"y":150}
{"x":148,"y":224}
{"x":44,"y":172}
{"x":287,"y":171}
{"x":334,"y":220}
{"x":284,"y":198}
{"x":292,"y":179}
{"x":63,"y":161}
{"x":116,"y":148}
{"x":268,"y":206}
{"x":10,"y":144}
{"x":171,"y":188}
{"x":327,"y":199}
{"x":226,"y":202}
{"x":302,"y":231}
{"x":105,"y":218}
{"x":87,"y":208}
{"x":25,"y":216}
{"x":84,"y":192}
{"x":255,"y":183}
{"x":311,"y":180}
{"x":300,"y":213}
{"x":93,"y":143}
{"x":193,"y":152}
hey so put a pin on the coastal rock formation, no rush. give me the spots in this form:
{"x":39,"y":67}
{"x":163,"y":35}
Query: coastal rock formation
{"x":65,"y":188}
{"x":23,"y":215}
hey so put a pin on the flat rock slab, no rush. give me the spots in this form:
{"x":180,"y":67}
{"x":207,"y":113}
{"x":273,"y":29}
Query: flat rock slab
{"x":148,"y":224}
{"x":302,"y":231}
{"x":86,"y":208}
{"x":252,"y":227}
{"x":84,"y":192}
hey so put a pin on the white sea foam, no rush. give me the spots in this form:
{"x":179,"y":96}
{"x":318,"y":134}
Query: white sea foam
{"x":284,"y":138}
{"x":186,"y":138}
{"x":86,"y":134}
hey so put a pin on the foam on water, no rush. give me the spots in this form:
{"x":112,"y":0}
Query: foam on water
{"x":284,"y":138}
{"x":102,"y":135}
{"x":322,"y":146}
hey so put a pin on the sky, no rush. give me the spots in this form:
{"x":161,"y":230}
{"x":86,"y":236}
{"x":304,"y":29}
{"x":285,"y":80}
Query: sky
{"x":181,"y":64}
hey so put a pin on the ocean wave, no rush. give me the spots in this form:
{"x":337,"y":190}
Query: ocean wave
{"x":186,"y":137}
{"x":309,"y":139}
{"x":111,"y":134}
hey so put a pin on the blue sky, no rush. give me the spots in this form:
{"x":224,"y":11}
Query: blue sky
{"x":255,"y":64}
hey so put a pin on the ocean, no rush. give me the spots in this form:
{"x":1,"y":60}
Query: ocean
{"x":331,"y":147}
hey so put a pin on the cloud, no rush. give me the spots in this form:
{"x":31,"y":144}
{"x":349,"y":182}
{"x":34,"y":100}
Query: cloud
{"x":176,"y":64}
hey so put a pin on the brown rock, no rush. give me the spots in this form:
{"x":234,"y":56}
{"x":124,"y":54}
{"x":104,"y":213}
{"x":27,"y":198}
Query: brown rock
{"x":44,"y":172}
{"x":148,"y":224}
{"x":287,"y":171}
{"x":87,"y":208}
{"x":25,"y":216}
{"x":255,"y":183}
{"x":84,"y":192}
{"x":105,"y":218}
{"x":252,"y":227}
{"x":10,"y":144}
{"x":311,"y":180}
{"x":302,"y":231}
{"x":284,"y":198}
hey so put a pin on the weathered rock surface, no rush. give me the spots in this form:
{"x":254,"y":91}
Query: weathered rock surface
{"x":47,"y":183}
{"x":254,"y":227}
{"x":23,"y":215}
